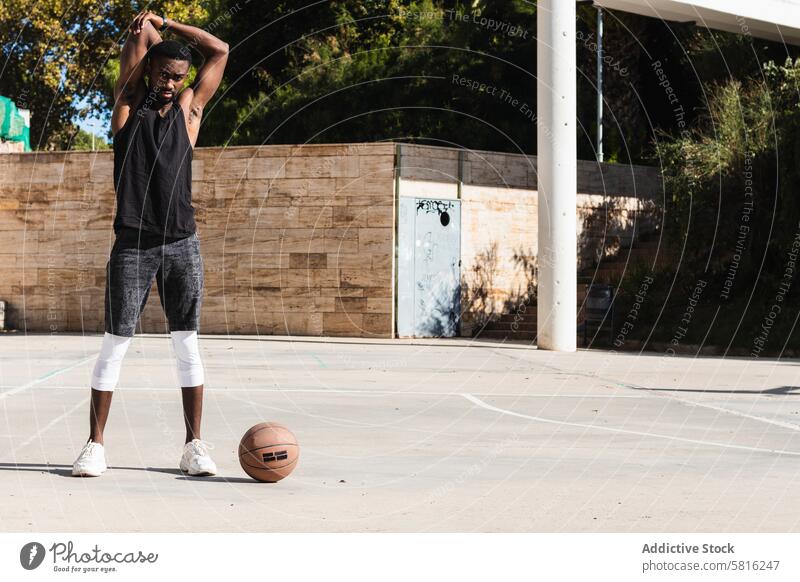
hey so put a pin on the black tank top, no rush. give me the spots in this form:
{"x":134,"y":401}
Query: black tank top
{"x":153,"y":172}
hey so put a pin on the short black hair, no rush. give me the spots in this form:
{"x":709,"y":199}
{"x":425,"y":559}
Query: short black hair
{"x":170,"y":49}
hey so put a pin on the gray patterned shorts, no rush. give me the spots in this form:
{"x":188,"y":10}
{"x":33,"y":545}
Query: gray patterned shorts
{"x":178,"y":268}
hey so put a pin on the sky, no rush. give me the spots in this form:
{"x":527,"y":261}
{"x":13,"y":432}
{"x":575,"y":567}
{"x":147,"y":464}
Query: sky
{"x":99,"y":123}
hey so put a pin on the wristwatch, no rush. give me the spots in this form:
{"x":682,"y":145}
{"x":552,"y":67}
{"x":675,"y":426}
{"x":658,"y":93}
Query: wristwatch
{"x":164,"y":24}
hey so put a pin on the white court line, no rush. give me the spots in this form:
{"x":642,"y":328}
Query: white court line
{"x":789,"y":425}
{"x":47,"y":376}
{"x":350,"y":391}
{"x":51,"y":424}
{"x":666,"y":394}
{"x":482,"y":404}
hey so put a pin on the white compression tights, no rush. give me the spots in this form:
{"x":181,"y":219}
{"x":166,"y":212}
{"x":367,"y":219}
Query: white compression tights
{"x":106,"y":371}
{"x":190,"y":366}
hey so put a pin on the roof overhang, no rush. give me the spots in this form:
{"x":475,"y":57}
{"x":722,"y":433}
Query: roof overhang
{"x":777,"y":20}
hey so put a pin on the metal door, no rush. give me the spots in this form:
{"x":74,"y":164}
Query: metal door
{"x":429,"y":267}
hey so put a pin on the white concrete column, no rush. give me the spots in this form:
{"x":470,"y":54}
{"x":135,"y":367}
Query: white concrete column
{"x":557,"y":169}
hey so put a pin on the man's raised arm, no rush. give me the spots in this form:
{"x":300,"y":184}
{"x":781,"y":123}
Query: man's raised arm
{"x":215,"y":56}
{"x":142,"y":35}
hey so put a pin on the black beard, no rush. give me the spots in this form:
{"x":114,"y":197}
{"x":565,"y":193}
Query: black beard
{"x":160,"y":99}
{"x":164,"y":100}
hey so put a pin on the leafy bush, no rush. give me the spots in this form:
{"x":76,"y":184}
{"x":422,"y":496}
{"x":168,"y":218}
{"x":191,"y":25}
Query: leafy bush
{"x":732,"y":213}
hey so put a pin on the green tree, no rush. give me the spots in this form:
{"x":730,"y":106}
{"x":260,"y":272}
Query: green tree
{"x":361,"y":71}
{"x":86,"y":141}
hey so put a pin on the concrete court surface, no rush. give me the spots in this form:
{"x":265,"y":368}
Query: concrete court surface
{"x":406,"y":435}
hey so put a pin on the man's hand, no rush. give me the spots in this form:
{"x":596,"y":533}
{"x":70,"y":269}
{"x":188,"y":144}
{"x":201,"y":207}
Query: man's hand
{"x":142,"y":18}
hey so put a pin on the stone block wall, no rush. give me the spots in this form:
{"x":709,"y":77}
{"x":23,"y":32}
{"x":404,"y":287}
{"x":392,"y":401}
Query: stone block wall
{"x":295,"y":240}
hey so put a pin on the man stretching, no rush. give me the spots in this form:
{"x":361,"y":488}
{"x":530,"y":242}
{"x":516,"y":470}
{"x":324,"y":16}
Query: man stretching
{"x":155,"y":123}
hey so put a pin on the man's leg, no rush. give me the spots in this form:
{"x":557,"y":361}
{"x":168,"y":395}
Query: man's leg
{"x":104,"y":379}
{"x":98,"y":414}
{"x":191,"y":378}
{"x":180,"y":286}
{"x":129,"y":275}
{"x":192,"y":411}
{"x":195,"y":459}
{"x":91,"y":460}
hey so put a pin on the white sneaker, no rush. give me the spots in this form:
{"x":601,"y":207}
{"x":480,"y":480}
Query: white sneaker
{"x":195,"y":459}
{"x":91,"y":462}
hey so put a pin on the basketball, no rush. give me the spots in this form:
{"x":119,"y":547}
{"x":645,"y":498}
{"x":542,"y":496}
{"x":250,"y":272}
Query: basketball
{"x":268,"y":452}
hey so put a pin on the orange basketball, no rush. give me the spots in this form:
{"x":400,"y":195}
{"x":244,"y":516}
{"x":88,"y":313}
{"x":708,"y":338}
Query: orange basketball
{"x":268,"y":452}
